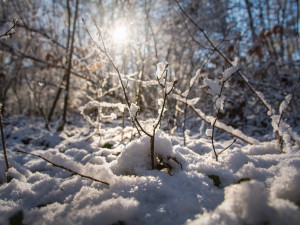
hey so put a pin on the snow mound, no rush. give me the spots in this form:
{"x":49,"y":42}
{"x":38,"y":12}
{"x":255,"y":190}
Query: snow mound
{"x":136,"y":155}
{"x":244,"y":203}
{"x":287,"y":184}
{"x":235,"y":160}
{"x":262,"y":148}
{"x":247,"y":203}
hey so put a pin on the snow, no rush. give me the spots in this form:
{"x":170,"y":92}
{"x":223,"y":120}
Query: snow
{"x":135,"y":158}
{"x":160,"y":102}
{"x":208,"y":132}
{"x":194,"y":101}
{"x":231,"y":70}
{"x":287,"y":184}
{"x":168,"y":87}
{"x":214,"y":86}
{"x":194,"y":78}
{"x":220,"y":102}
{"x":258,"y":184}
{"x":133,"y":110}
{"x":285,"y":103}
{"x":247,"y":203}
{"x":161,"y":69}
{"x":5,"y":28}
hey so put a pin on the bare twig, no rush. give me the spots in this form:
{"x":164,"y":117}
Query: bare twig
{"x":68,"y":71}
{"x":17,"y":52}
{"x":186,"y":97}
{"x":221,"y":126}
{"x":62,"y":167}
{"x":37,"y":100}
{"x":264,"y":103}
{"x":8,"y":32}
{"x":3,"y":141}
{"x":277,"y":133}
{"x":134,"y":118}
{"x":104,"y":50}
{"x":147,"y":12}
{"x":227,"y":146}
{"x":216,"y":118}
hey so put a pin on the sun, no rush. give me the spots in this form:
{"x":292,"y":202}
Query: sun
{"x":120,"y":35}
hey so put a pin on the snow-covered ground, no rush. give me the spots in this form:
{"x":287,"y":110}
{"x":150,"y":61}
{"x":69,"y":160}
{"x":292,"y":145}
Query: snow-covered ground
{"x":249,"y":185}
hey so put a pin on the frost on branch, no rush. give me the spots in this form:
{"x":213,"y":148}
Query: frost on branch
{"x":161,"y":69}
{"x":285,"y":103}
{"x":185,"y":94}
{"x":194,"y":101}
{"x":160,"y":103}
{"x":262,"y":98}
{"x":231,"y":70}
{"x":93,"y":110}
{"x":7,"y":29}
{"x":214,"y":86}
{"x":208,"y":132}
{"x":133,"y":110}
{"x":282,"y":130}
{"x":220,"y":102}
{"x":192,"y":81}
{"x":169,"y":86}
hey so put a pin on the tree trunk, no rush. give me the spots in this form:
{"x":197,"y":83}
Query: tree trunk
{"x":68,"y":72}
{"x":251,"y":24}
{"x":64,"y":76}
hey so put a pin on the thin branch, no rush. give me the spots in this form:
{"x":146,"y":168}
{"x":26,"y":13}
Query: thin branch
{"x":166,"y":94}
{"x":216,"y":118}
{"x":38,"y":102}
{"x":264,"y":103}
{"x":134,"y":120}
{"x":278,"y":134}
{"x":221,"y":126}
{"x":8,"y":32}
{"x":3,"y":142}
{"x":19,"y":53}
{"x":212,"y":138}
{"x":42,"y":33}
{"x":147,"y":12}
{"x":227,"y":146}
{"x":104,"y":50}
{"x":186,"y":97}
{"x":293,"y":94}
{"x":69,"y":67}
{"x":62,"y":167}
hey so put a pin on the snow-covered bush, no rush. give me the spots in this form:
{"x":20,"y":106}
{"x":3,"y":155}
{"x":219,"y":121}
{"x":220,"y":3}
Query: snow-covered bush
{"x":163,"y":82}
{"x":93,"y":113}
